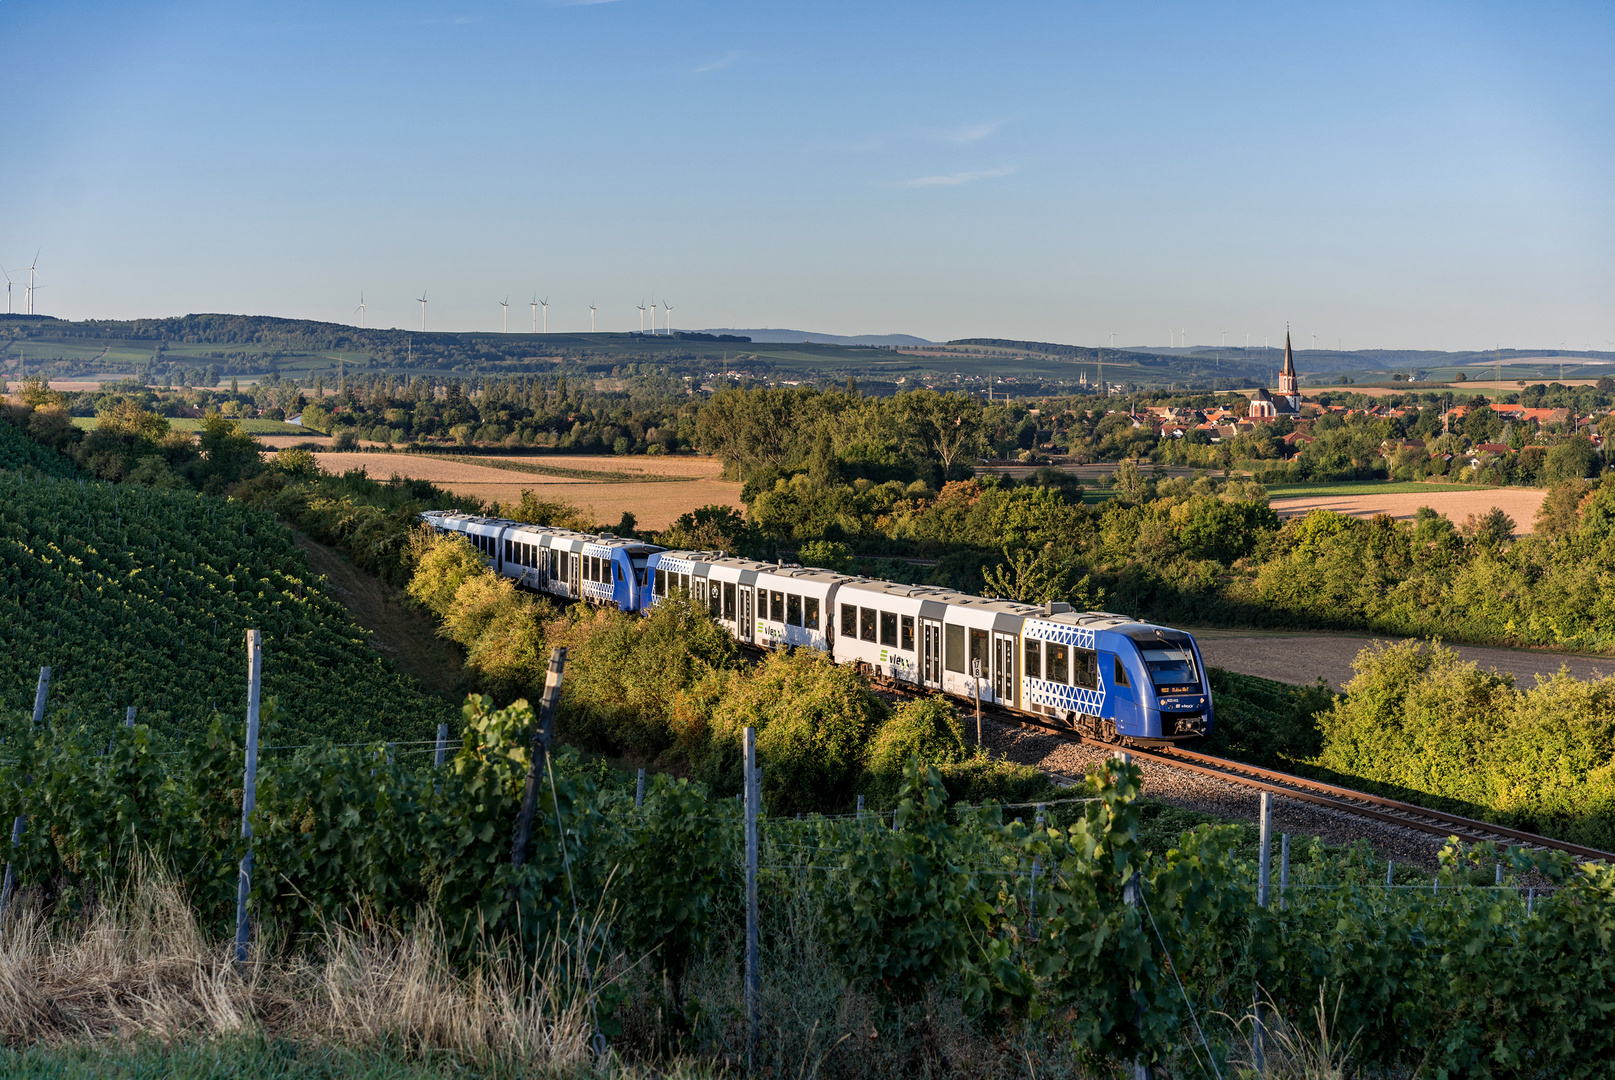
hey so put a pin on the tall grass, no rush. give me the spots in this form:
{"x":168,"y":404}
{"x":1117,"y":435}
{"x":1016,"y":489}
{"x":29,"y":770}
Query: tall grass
{"x":138,"y":967}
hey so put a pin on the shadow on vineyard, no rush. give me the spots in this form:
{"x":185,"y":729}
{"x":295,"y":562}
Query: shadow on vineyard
{"x":139,"y":596}
{"x":392,"y":930}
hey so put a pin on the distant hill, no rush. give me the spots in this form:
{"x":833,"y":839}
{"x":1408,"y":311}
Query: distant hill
{"x":793,"y":337}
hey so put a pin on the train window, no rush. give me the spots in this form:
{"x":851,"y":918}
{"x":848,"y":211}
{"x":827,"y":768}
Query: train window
{"x":1034,"y":659}
{"x":1085,"y":668}
{"x":953,"y":648}
{"x":888,"y":628}
{"x":866,"y":623}
{"x":658,"y":585}
{"x":793,"y":610}
{"x":849,"y":620}
{"x":618,"y":566}
{"x":1058,"y":664}
{"x":684,"y":584}
{"x":978,"y":653}
{"x":810,"y":612}
{"x":1121,"y":673}
{"x":906,"y":641}
{"x":729,"y":600}
{"x":776,"y":607}
{"x":715,"y":599}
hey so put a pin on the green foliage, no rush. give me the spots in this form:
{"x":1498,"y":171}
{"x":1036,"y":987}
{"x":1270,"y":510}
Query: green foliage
{"x":672,"y":860}
{"x":814,"y":719}
{"x":1418,"y":719}
{"x":1266,"y":722}
{"x":142,"y":597}
{"x":928,"y":727}
{"x":19,"y":453}
{"x":627,"y":674}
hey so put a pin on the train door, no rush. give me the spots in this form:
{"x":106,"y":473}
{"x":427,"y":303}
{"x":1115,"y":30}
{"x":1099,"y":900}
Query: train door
{"x":576,"y":561}
{"x":1004,"y":681}
{"x":745,"y":624}
{"x":1121,"y":698}
{"x":931,"y":652}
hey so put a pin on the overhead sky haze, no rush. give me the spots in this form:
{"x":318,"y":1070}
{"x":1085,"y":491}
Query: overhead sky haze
{"x":1380,"y":175}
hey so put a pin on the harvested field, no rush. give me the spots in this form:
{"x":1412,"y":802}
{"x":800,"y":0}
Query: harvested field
{"x":683,"y":466}
{"x":1300,"y":657}
{"x":1521,"y":504}
{"x":654,"y":503}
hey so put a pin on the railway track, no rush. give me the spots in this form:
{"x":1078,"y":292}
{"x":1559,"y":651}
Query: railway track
{"x":1303,"y":789}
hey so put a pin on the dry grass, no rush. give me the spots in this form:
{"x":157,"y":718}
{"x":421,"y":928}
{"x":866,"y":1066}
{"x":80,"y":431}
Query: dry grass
{"x":140,"y":969}
{"x":1521,"y":504}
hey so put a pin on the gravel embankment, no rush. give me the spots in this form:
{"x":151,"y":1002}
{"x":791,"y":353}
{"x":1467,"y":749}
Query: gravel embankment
{"x":1209,"y":795}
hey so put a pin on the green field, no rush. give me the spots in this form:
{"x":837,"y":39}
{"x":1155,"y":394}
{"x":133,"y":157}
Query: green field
{"x":1365,"y":487}
{"x":251,"y":427}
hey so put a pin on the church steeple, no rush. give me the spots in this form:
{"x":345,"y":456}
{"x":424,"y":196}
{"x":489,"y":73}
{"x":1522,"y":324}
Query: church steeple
{"x":1287,"y":380}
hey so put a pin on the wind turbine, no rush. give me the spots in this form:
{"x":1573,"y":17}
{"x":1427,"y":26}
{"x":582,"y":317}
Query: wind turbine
{"x":505,"y":303}
{"x":535,"y":313}
{"x":8,"y":289}
{"x":422,"y":299}
{"x":591,"y":316}
{"x":669,"y":309}
{"x":31,"y":285}
{"x":653,"y":318}
{"x":642,"y":315}
{"x":360,"y":308}
{"x":545,"y":304}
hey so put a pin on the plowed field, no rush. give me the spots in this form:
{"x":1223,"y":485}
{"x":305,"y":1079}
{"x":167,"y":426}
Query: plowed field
{"x":1521,"y":504}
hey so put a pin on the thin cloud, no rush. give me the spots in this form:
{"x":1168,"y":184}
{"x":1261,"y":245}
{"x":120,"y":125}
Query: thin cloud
{"x":966,"y":133}
{"x":726,"y":60}
{"x":954,"y":179}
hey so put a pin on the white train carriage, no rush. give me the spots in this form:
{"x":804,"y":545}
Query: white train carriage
{"x":934,"y":638}
{"x":760,"y":603}
{"x":483,"y":532}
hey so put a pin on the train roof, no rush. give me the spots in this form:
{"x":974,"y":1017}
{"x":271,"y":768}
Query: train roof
{"x":635,"y":547}
{"x":945,"y":596}
{"x":736,"y":562}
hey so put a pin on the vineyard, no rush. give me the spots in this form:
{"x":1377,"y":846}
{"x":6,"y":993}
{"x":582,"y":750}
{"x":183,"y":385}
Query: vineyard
{"x":18,"y":453}
{"x":137,"y":596}
{"x":987,"y":925}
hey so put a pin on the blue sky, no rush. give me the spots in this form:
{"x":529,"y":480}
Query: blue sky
{"x":1396,"y":175}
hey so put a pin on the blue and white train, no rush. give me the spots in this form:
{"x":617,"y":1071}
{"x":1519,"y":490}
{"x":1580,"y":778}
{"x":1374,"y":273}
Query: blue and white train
{"x":1106,"y":676}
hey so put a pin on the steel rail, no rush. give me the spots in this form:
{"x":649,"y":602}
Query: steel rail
{"x":1332,"y":796}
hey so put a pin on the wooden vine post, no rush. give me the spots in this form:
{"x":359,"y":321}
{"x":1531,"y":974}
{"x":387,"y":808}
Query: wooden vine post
{"x":249,"y":787}
{"x":536,"y":760}
{"x":41,"y":692}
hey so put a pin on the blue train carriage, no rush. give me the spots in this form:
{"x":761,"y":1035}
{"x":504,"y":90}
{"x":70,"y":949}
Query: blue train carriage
{"x":616,"y":571}
{"x":765,"y":604}
{"x":1111,"y":678}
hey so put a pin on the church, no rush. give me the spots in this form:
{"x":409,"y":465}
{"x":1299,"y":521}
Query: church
{"x":1287,"y":401}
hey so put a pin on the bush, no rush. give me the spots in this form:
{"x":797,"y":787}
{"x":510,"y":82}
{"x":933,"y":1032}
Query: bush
{"x":928,"y":727}
{"x":813,"y":720}
{"x":625,"y":673}
{"x":1418,"y":720}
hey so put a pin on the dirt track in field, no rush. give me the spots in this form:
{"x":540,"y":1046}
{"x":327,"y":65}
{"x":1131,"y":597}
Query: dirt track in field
{"x":1300,"y":658}
{"x":1521,"y":504}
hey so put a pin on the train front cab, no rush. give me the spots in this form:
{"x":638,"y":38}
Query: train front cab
{"x":1158,"y":683}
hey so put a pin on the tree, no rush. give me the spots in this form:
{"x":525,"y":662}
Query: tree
{"x":1569,"y":460}
{"x":946,"y":427}
{"x":1491,"y":529}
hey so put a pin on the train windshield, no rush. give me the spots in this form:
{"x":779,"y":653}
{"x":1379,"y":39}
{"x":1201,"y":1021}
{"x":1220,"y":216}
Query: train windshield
{"x":639,"y":562}
{"x":1171,"y":666}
